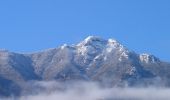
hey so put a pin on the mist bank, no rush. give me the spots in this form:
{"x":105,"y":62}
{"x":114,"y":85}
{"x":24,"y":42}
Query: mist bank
{"x":52,"y":90}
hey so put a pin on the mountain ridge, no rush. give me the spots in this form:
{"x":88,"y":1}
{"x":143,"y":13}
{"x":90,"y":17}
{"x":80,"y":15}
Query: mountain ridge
{"x":107,"y":62}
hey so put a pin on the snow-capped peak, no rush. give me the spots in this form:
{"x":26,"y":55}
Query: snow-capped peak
{"x":114,"y":44}
{"x":147,"y":58}
{"x":91,"y":45}
{"x":112,"y":41}
{"x":92,"y":40}
{"x":64,"y":46}
{"x":94,"y":45}
{"x":97,"y":41}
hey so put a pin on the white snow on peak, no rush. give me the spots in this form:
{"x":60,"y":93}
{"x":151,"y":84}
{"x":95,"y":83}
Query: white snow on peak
{"x":92,"y":40}
{"x":115,"y":45}
{"x":144,"y":57}
{"x":92,"y":45}
{"x":111,"y":45}
{"x":112,"y":41}
{"x":147,"y":58}
{"x":97,"y":45}
{"x":64,"y":46}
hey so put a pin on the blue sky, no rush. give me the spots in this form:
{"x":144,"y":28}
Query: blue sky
{"x":32,"y":25}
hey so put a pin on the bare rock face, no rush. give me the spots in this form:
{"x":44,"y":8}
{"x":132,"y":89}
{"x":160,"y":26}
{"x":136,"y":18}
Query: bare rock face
{"x":93,"y":59}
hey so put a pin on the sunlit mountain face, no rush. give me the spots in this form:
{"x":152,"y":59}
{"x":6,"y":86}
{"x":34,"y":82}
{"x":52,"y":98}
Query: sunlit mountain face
{"x":96,"y":61}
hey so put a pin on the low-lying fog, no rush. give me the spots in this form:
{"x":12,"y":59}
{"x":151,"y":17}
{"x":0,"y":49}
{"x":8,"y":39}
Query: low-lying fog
{"x":89,"y":91}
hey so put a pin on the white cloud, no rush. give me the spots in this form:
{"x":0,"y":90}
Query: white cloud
{"x":92,"y":91}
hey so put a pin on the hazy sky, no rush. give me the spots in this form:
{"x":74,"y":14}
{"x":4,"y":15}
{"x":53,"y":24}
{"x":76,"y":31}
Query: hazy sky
{"x":31,"y":25}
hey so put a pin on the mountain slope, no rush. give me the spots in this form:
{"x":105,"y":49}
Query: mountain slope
{"x":94,"y":59}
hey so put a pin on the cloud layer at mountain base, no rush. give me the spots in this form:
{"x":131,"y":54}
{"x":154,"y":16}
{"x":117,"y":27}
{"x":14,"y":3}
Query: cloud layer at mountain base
{"x":91,"y":91}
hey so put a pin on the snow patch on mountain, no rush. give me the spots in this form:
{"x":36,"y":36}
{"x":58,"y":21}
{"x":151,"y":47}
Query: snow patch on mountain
{"x":147,"y":58}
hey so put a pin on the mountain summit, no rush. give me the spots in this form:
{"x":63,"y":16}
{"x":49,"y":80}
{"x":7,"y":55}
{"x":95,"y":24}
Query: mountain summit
{"x":107,"y":62}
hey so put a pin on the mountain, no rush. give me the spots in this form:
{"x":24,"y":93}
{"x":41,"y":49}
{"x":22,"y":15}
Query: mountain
{"x":107,"y":62}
